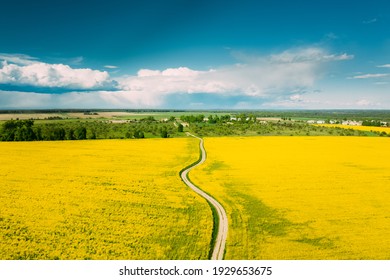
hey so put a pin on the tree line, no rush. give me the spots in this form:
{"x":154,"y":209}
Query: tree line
{"x":28,"y":130}
{"x":213,"y":125}
{"x":375,"y":123}
{"x":25,"y":130}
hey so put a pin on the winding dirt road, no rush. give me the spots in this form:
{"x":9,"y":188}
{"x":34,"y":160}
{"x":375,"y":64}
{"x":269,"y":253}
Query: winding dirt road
{"x":220,"y":240}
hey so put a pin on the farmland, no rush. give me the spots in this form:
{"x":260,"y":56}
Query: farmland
{"x":292,"y":190}
{"x":301,"y":197}
{"x":101,"y":199}
{"x":359,"y":127}
{"x":54,"y":125}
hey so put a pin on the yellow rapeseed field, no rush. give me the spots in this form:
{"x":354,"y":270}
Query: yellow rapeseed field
{"x":102,"y":199}
{"x":301,"y":197}
{"x":358,"y":127}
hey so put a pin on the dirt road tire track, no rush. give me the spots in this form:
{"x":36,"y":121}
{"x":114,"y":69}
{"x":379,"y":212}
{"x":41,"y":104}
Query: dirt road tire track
{"x":222,"y":230}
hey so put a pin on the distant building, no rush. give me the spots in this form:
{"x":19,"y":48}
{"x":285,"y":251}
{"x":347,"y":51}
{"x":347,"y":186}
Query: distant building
{"x":315,"y":122}
{"x":353,"y":123}
{"x":119,"y":121}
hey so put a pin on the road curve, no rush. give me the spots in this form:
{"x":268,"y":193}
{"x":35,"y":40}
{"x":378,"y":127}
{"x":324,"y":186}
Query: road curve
{"x":220,"y":240}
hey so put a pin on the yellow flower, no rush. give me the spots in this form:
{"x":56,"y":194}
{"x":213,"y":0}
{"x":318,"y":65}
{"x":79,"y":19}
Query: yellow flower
{"x":102,"y":199}
{"x":301,"y":197}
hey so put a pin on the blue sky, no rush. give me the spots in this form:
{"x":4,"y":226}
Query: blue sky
{"x":195,"y":54}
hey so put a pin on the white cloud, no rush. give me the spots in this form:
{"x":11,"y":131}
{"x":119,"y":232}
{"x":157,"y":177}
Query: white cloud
{"x":309,"y":55}
{"x":296,"y":97}
{"x":76,"y":60}
{"x":258,"y":76}
{"x":384,"y":66}
{"x":20,"y":59}
{"x":265,"y":77}
{"x":331,"y":36}
{"x":370,"y":21}
{"x":331,"y":100}
{"x":364,"y":103}
{"x":173,"y":80}
{"x":110,"y":66}
{"x":370,"y":76}
{"x":148,"y":73}
{"x":180,"y":72}
{"x":121,"y":99}
{"x":283,"y":78}
{"x":340,"y":57}
{"x":38,"y":74}
{"x":170,"y":72}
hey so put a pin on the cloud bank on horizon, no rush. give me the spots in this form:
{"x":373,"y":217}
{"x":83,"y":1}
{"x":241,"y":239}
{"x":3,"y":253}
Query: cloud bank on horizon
{"x":274,"y":78}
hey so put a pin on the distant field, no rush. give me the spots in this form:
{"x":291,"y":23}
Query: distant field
{"x":27,"y":116}
{"x":102,"y":115}
{"x":102,"y":199}
{"x":301,"y":197}
{"x":71,"y":115}
{"x":356,"y":127}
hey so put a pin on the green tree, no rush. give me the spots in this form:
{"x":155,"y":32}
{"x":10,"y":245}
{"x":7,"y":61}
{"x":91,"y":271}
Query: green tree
{"x":180,"y":128}
{"x":58,"y":133}
{"x":164,"y":133}
{"x":70,"y":134}
{"x":20,"y":133}
{"x":80,"y":133}
{"x":93,"y":135}
{"x":138,"y":134}
{"x":38,"y":133}
{"x":19,"y":130}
